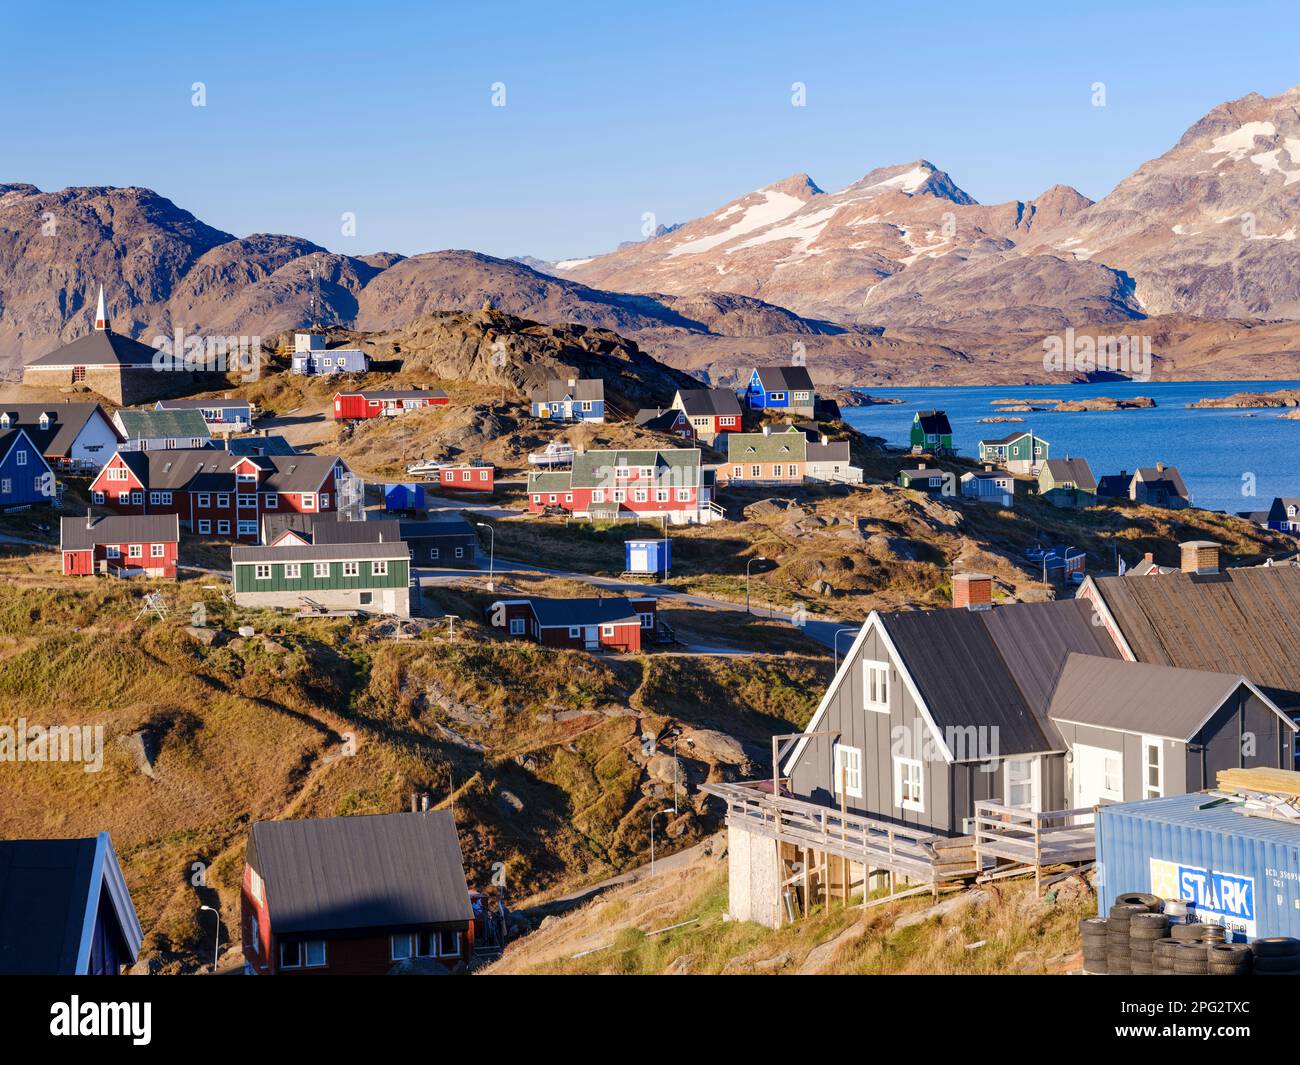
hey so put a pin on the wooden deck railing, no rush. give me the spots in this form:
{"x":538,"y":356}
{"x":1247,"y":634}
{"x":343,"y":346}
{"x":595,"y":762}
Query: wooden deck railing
{"x":1032,"y":840}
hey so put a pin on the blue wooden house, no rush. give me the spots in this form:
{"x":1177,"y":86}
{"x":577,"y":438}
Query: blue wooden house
{"x":311,"y":357}
{"x":404,"y":497}
{"x":574,"y":400}
{"x":25,"y":476}
{"x":785,"y":389}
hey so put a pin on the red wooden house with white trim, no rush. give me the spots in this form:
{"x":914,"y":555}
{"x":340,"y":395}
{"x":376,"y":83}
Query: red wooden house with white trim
{"x":142,"y":545}
{"x":215,"y":493}
{"x":470,"y":477}
{"x":606,"y":485}
{"x":385,"y":403}
{"x":610,"y":624}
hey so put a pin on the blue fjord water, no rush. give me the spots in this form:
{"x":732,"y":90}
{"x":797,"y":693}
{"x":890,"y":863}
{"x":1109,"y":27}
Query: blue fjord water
{"x":1221,"y":453}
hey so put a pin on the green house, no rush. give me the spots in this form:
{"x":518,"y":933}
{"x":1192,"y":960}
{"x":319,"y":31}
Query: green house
{"x":369,"y":578}
{"x":1067,"y":482}
{"x":931,"y":432}
{"x":1021,"y":452}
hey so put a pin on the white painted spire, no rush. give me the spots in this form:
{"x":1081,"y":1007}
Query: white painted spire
{"x":101,"y":315}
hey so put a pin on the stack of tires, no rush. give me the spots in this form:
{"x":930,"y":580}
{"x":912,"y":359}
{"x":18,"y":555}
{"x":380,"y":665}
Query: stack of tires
{"x":1094,"y":934}
{"x":1228,"y":959}
{"x":1162,"y":955}
{"x":1145,"y":930}
{"x":1191,"y":957}
{"x":1119,"y":960}
{"x":1276,"y":956}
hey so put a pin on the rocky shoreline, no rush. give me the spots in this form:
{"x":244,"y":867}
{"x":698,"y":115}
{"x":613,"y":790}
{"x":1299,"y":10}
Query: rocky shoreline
{"x":1284,"y":397}
{"x":1071,"y":406}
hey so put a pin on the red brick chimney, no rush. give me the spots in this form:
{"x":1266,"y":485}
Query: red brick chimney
{"x":974,"y":591}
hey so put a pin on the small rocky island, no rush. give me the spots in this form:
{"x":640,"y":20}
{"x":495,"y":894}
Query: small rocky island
{"x":1059,"y":406}
{"x":1283,"y":397}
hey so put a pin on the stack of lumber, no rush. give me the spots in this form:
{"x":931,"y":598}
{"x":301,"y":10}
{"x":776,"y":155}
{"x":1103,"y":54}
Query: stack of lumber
{"x":1261,"y":781}
{"x":953,"y":857}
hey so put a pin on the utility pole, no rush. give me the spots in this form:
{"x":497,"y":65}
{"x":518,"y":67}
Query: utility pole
{"x":216,"y":940}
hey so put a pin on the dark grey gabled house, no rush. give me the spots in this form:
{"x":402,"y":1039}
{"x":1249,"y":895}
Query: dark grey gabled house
{"x":936,"y":710}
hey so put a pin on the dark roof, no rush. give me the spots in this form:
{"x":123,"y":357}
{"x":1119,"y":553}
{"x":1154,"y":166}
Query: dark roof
{"x":658,"y":419}
{"x":934,"y":421}
{"x":118,"y":529}
{"x":1010,"y":437}
{"x":329,"y":528}
{"x":420,"y":530}
{"x":210,"y":469}
{"x":1140,"y":697}
{"x":155,"y":423}
{"x":257,"y":445}
{"x":102,"y":347}
{"x":561,"y":612}
{"x":702,"y":402}
{"x":1277,"y":510}
{"x":399,"y":393}
{"x":201,"y":404}
{"x":1241,"y":621}
{"x":784,"y":378}
{"x":1114,"y":485}
{"x":48,"y":887}
{"x":372,"y":871}
{"x":1167,"y":474}
{"x":1076,"y":470}
{"x":555,"y":390}
{"x":995,"y":668}
{"x":66,"y":422}
{"x":314,"y":552}
{"x":828,"y":451}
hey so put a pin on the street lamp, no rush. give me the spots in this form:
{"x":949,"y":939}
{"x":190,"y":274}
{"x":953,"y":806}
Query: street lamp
{"x":760,"y":558}
{"x":216,"y":941}
{"x":492,"y":550}
{"x":652,"y":838}
{"x":835,"y":641}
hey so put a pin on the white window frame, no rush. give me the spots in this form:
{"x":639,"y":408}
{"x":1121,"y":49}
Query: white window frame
{"x":516,"y":626}
{"x":379,"y":568}
{"x":320,"y":569}
{"x":1035,"y":783}
{"x":916,"y":805}
{"x":157,"y":550}
{"x":135,"y":550}
{"x":848,"y":759}
{"x":292,"y":570}
{"x":880,"y":671}
{"x":352,"y":569}
{"x":1158,"y":790}
{"x":262,"y":571}
{"x":205,"y":527}
{"x":607,"y":631}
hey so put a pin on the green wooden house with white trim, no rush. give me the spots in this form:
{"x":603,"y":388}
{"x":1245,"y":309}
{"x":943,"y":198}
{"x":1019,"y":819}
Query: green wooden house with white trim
{"x":1021,"y":452}
{"x":366,"y":578}
{"x":931,"y":432}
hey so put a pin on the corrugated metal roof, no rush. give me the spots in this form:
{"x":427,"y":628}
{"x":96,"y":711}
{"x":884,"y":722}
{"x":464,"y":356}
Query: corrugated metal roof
{"x":101,"y":347}
{"x":709,"y":402}
{"x":767,"y":447}
{"x":1076,"y":470}
{"x":168,"y":423}
{"x":1243,"y":621}
{"x":671,"y":467}
{"x":373,"y":871}
{"x":789,"y":378}
{"x":319,"y":553}
{"x":561,"y":612}
{"x":118,"y":529}
{"x":66,"y":423}
{"x":557,"y":390}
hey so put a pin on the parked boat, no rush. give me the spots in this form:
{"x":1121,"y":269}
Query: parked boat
{"x":554,"y":454}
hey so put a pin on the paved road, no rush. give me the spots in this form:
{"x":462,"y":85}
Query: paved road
{"x":823,"y":631}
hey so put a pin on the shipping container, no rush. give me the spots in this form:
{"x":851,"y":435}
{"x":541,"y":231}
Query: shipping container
{"x":403,"y":497}
{"x":648,"y":556}
{"x":1237,"y":871}
{"x":473,"y":477}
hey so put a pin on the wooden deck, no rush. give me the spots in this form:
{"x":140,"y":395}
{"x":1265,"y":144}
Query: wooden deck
{"x":1023,"y":841}
{"x":876,"y":845}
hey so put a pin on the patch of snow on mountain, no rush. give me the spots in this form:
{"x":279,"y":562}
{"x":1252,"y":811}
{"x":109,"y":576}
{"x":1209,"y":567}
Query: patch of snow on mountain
{"x":804,"y":229}
{"x":1241,"y":142}
{"x":570,"y":264}
{"x":775,"y":206}
{"x":1270,"y":163}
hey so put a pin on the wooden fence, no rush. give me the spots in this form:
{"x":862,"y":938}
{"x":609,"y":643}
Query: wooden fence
{"x":1031,"y":841}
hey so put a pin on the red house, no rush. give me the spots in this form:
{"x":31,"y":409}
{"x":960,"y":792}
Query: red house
{"x":612,"y":624}
{"x":606,"y":485}
{"x":143,"y":545}
{"x":216,"y":493}
{"x":355,"y":896}
{"x":385,"y":404}
{"x":474,"y":477}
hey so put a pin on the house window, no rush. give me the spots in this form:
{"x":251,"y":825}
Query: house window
{"x":516,"y":626}
{"x":223,"y":499}
{"x":255,"y":886}
{"x":647,"y":621}
{"x":607,"y":630}
{"x":661,"y":495}
{"x":379,"y":569}
{"x":639,"y":495}
{"x":777,"y":397}
{"x":598,"y":495}
{"x":135,"y":550}
{"x":205,"y":526}
{"x":156,"y":550}
{"x":308,"y":502}
{"x":848,"y":770}
{"x":6,"y":486}
{"x":683,"y":495}
{"x":1153,"y":767}
{"x":205,"y":500}
{"x":263,"y":572}
{"x":244,"y":500}
{"x":97,"y":497}
{"x":255,"y":935}
{"x":272,"y":501}
{"x":875,"y":686}
{"x":324,"y":501}
{"x":460,"y":552}
{"x":113,"y":551}
{"x":907,"y":784}
{"x":223,"y":528}
{"x":483,"y":475}
{"x":433,"y":554}
{"x":124,"y":498}
{"x":448,"y":944}
{"x":247,"y":528}
{"x":756,"y":470}
{"x":1022,"y":783}
{"x":320,"y":569}
{"x":351,"y":569}
{"x":293,"y":570}
{"x":137,"y":498}
{"x":575,"y":632}
{"x":309,"y":954}
{"x":21,"y":457}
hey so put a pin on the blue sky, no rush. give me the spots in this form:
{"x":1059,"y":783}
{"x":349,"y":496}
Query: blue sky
{"x":612,"y":110}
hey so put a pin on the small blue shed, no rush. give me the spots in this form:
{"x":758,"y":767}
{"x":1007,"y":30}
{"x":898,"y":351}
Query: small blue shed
{"x":404,"y":497}
{"x":1237,"y":871}
{"x":648,"y":556}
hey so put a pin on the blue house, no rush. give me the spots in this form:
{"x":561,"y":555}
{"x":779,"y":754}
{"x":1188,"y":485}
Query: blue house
{"x":25,"y":476}
{"x":574,"y":400}
{"x":404,"y":497}
{"x":311,"y":357}
{"x":786,"y":389}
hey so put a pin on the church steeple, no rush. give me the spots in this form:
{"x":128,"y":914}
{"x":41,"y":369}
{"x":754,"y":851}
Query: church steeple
{"x":101,"y":315}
